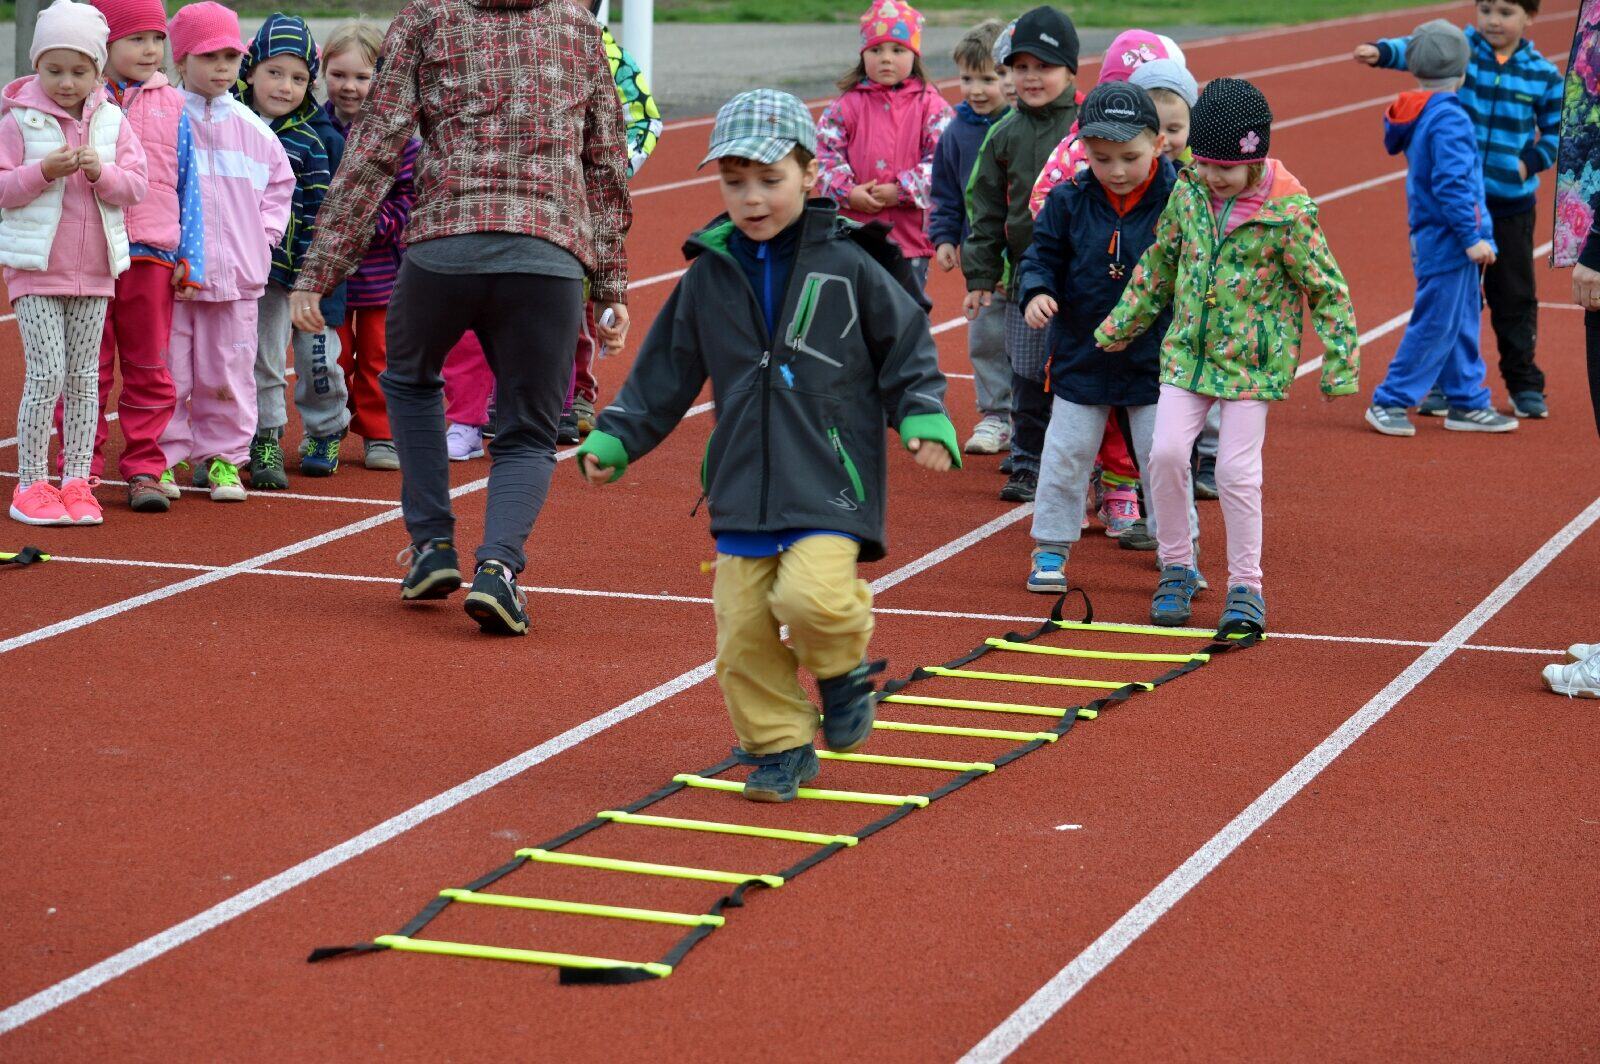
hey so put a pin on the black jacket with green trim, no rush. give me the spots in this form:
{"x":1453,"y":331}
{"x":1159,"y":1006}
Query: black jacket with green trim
{"x":799,"y":440}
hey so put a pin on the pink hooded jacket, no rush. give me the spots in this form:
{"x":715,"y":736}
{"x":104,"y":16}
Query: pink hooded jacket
{"x":877,"y":134}
{"x":80,"y":259}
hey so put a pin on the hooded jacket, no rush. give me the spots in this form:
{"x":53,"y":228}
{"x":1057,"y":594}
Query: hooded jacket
{"x":522,"y":133}
{"x":65,"y":237}
{"x":952,"y":167}
{"x":801,"y":409}
{"x":884,"y":134}
{"x":997,"y":195}
{"x":1237,"y":299}
{"x":1082,"y":254}
{"x":1444,"y":185}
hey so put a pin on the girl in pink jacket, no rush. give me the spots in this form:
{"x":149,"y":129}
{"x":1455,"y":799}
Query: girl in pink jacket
{"x":246,"y":185}
{"x":68,"y":167}
{"x":875,"y":143}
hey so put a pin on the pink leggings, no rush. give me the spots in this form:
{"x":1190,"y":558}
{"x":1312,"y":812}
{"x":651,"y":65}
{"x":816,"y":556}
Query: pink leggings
{"x":1180,"y":415}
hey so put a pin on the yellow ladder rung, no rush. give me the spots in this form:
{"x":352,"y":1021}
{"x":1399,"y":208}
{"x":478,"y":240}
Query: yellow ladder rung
{"x":1084,"y":713}
{"x":973,"y":733}
{"x":1101,"y":655}
{"x":578,"y":908}
{"x":615,"y":864}
{"x":862,"y":797}
{"x":716,"y":827}
{"x":908,"y":762}
{"x":1020,"y":677}
{"x":526,"y":956}
{"x":1138,"y":629}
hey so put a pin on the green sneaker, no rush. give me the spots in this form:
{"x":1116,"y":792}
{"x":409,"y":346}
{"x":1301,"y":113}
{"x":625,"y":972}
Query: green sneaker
{"x":169,"y":481}
{"x":321,"y":459}
{"x":266,"y":464}
{"x":223,"y":476}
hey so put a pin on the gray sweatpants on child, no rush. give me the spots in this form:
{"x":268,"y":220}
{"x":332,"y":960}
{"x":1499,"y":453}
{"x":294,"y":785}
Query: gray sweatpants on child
{"x":319,"y":386}
{"x":1210,"y":436}
{"x":1070,"y":444}
{"x":991,"y":367}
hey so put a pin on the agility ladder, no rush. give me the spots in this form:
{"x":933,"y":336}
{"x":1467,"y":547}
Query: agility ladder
{"x":583,"y":969}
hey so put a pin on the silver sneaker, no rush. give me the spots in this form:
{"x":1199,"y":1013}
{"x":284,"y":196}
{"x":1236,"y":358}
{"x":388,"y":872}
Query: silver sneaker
{"x":381,"y":454}
{"x":1486,"y":420}
{"x":1391,"y":420}
{"x":991,"y":436}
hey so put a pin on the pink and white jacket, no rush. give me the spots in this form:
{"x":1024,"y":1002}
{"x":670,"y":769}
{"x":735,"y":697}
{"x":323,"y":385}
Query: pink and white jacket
{"x":70,"y":227}
{"x":878,"y":134}
{"x":246,"y":190}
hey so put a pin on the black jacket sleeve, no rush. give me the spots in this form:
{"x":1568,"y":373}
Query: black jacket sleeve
{"x":666,"y":378}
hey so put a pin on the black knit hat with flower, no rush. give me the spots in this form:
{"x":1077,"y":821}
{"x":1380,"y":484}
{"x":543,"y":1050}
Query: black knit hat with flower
{"x":1230,"y":124}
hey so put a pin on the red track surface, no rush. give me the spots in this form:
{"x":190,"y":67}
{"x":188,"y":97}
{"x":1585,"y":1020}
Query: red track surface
{"x":1431,"y":894}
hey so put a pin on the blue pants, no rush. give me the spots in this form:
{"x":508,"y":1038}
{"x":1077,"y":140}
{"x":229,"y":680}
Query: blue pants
{"x":1441,"y":344}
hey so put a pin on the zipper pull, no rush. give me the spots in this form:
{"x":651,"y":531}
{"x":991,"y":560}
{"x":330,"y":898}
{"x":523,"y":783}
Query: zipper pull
{"x":766,"y":357}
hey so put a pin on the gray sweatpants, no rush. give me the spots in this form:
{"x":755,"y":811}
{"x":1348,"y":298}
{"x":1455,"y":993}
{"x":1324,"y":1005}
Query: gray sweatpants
{"x":1206,"y":445}
{"x":1070,"y":444}
{"x":991,"y":367}
{"x":319,"y":387}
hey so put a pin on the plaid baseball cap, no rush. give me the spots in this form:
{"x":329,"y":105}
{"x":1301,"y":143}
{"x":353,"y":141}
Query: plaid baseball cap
{"x":762,"y":125}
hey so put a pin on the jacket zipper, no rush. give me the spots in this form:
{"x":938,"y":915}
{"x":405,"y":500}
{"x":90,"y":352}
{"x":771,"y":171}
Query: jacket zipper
{"x":1210,"y":300}
{"x":849,"y":466}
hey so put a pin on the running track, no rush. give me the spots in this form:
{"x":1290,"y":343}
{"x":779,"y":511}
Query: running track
{"x":1373,"y":837}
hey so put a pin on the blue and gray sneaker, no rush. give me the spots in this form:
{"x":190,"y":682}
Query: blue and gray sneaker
{"x":1485,"y":420}
{"x":1529,"y":404}
{"x":849,"y":703}
{"x":1390,"y":420}
{"x":320,"y":456}
{"x":778,"y":777}
{"x":1169,"y":606}
{"x":1049,"y":575}
{"x":1244,"y":613}
{"x":1434,"y":404}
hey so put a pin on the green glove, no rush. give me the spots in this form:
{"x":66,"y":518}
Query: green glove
{"x":609,"y":452}
{"x":932,"y":428}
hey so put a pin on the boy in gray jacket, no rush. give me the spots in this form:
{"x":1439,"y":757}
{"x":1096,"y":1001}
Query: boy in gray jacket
{"x":809,"y":343}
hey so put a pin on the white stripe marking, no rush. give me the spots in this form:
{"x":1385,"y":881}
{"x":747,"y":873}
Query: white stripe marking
{"x":1049,"y":999}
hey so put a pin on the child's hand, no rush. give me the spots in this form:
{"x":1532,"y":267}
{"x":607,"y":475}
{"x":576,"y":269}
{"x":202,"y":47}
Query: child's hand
{"x":183,"y":293}
{"x":1040,"y":310}
{"x":1366,"y":53}
{"x":933,"y":456}
{"x":613,"y":336}
{"x":1119,"y":345}
{"x":60,"y":163}
{"x":594,"y":472}
{"x":1481,"y":253}
{"x":975,"y":302}
{"x":948,"y":257}
{"x":861,"y":199}
{"x":886,"y":194}
{"x":89,"y":162}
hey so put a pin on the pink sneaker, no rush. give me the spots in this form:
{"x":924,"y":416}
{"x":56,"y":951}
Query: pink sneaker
{"x":77,"y":496}
{"x":39,"y":504}
{"x":1119,"y":511}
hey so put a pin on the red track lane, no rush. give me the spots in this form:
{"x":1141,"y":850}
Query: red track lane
{"x":148,"y":805}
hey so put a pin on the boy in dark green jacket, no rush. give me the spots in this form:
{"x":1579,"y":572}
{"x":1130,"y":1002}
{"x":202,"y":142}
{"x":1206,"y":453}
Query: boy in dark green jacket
{"x":809,"y":343}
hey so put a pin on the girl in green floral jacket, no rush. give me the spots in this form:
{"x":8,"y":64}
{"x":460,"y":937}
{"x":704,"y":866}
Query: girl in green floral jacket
{"x":1237,"y":249}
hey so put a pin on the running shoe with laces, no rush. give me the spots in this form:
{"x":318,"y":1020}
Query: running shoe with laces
{"x":1485,"y":420}
{"x":266,"y":464}
{"x":1047,"y":573}
{"x":321,"y":458}
{"x":1119,"y":511}
{"x":39,"y":504}
{"x":1579,"y":651}
{"x":146,"y":495}
{"x":1577,"y":679}
{"x":496,"y":602}
{"x":1022,"y":486}
{"x":223,"y":476}
{"x":169,"y":481}
{"x":433,"y":570}
{"x":991,"y":435}
{"x":77,"y":497}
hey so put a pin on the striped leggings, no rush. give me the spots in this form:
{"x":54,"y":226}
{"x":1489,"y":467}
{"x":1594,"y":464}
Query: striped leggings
{"x":61,"y":353}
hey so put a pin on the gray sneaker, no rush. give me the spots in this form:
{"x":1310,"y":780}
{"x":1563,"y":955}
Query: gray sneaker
{"x":779,"y":777}
{"x":1434,"y":404}
{"x":990,"y":436}
{"x":380,"y":454}
{"x":1485,"y":420}
{"x":1392,"y":420}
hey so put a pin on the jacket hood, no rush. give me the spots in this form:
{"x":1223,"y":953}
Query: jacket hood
{"x":27,"y":92}
{"x":965,"y":113}
{"x":1401,"y":118}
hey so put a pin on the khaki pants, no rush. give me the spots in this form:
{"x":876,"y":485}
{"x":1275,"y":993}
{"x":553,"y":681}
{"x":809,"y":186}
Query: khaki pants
{"x":812,"y":588}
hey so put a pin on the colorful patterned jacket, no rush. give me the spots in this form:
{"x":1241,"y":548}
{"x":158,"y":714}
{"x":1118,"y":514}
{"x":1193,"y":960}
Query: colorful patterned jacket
{"x":1237,"y":322}
{"x":638,"y":106}
{"x":1578,"y":168}
{"x":521,"y":129}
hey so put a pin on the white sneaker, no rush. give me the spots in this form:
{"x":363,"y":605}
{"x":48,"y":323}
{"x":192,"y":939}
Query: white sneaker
{"x":465,"y":442}
{"x":991,"y":436}
{"x":1579,"y":651}
{"x":1578,"y":679}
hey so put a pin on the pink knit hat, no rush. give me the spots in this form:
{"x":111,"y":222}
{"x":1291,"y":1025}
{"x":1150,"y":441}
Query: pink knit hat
{"x":892,"y":20}
{"x":1132,"y":49}
{"x":204,"y":27}
{"x":127,"y":17}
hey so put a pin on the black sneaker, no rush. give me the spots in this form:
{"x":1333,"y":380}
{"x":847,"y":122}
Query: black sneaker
{"x":778,"y":777}
{"x":1137,"y":537}
{"x":1021,"y":486}
{"x":434,"y":572}
{"x":848,"y":706}
{"x":266,"y":464}
{"x":567,"y":429}
{"x":495,"y":601}
{"x":1205,"y":478}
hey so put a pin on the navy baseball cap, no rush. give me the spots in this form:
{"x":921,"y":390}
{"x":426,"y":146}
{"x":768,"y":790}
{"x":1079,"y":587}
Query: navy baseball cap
{"x":1116,"y":110}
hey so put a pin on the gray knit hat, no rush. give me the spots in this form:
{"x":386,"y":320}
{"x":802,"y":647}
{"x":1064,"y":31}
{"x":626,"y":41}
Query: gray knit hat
{"x":1166,"y":74}
{"x":1437,"y":51}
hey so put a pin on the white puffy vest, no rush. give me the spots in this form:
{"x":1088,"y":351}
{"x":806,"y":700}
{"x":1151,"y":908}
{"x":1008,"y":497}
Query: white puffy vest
{"x":28,"y":232}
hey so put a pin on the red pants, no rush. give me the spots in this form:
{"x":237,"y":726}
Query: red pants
{"x":1116,"y":464}
{"x":363,"y":352}
{"x":138,"y":328}
{"x":468,"y":382}
{"x":583,"y":382}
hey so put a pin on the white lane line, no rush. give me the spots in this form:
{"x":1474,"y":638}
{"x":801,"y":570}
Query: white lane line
{"x":260,"y":561}
{"x":149,"y":949}
{"x":1360,"y":186}
{"x":671,"y":185}
{"x":1049,"y":999}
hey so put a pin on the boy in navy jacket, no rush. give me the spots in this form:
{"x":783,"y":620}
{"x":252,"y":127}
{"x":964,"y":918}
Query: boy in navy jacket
{"x":983,"y":104}
{"x":1086,"y":241}
{"x":1513,"y":96}
{"x":1450,"y":242}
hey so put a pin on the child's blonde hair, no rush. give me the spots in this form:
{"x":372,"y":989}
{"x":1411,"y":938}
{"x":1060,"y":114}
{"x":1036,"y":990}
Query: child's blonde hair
{"x":356,"y":36}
